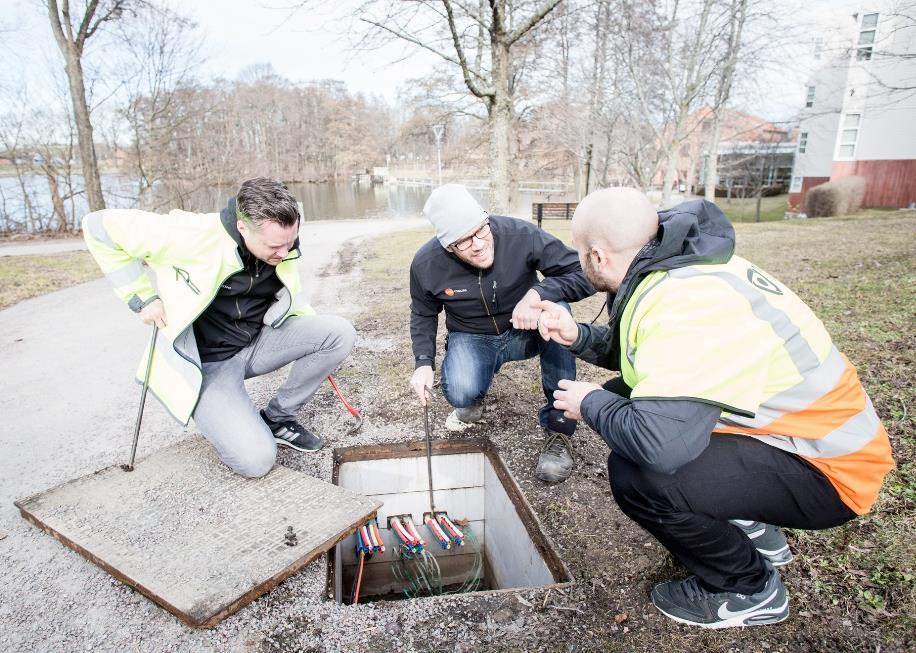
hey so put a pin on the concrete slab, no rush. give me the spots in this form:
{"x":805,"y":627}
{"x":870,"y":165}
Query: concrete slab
{"x":192,"y":536}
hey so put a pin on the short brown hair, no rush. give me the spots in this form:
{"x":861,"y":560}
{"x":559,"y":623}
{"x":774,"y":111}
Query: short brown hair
{"x":263,"y":199}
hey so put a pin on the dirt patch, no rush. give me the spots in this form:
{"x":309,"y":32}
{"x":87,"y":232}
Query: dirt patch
{"x":344,"y":261}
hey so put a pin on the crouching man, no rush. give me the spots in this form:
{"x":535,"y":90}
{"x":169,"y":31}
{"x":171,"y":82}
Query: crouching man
{"x":228,"y":305}
{"x":482,"y":269}
{"x":735,"y":413}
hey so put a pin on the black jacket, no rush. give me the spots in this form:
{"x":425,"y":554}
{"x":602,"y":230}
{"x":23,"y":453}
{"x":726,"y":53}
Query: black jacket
{"x":235,"y":316}
{"x":481,"y":301}
{"x":661,"y":434}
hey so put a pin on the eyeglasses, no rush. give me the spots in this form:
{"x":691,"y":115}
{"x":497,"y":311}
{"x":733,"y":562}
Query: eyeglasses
{"x":480,"y":234}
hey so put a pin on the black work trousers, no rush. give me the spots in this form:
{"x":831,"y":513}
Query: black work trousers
{"x":736,"y":477}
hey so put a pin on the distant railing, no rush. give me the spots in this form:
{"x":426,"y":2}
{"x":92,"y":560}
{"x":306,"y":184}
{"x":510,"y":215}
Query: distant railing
{"x":552,"y":210}
{"x":483,"y":184}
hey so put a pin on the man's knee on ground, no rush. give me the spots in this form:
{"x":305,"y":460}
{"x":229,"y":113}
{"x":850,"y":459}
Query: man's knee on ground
{"x":461,"y":393}
{"x":256,"y":463}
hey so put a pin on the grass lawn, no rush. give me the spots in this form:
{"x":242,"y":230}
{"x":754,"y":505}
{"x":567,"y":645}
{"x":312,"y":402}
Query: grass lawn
{"x":853,"y":587}
{"x":22,"y":277}
{"x":745,"y":210}
{"x":773,"y":208}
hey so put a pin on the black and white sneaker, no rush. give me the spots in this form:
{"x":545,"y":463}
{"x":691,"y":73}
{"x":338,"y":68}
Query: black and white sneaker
{"x":688,"y":602}
{"x":769,"y":540}
{"x":293,"y":435}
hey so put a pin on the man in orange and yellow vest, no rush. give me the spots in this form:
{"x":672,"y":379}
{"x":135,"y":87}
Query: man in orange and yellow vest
{"x":734,"y":413}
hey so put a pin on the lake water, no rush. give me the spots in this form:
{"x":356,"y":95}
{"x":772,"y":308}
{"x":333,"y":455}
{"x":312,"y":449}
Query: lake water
{"x":324,"y":201}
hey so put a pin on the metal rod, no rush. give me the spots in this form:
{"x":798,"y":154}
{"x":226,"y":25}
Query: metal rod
{"x":429,"y":456}
{"x":129,"y":467}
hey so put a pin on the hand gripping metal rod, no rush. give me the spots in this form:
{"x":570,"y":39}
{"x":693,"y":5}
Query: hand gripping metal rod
{"x":429,"y":455}
{"x":129,"y":467}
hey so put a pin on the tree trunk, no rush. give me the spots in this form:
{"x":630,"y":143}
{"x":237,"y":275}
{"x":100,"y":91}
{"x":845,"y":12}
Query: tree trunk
{"x":712,"y":160}
{"x":57,"y":202}
{"x":738,"y":14}
{"x":501,"y":177}
{"x":90,"y":166}
{"x":670,"y":171}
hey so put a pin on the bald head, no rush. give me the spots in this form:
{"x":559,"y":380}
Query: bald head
{"x":609,"y":228}
{"x":618,"y":219}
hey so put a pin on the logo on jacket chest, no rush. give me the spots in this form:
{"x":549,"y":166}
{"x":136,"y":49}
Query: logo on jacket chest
{"x":452,"y":292}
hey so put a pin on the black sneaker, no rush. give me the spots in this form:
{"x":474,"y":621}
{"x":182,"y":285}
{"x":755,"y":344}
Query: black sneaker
{"x":769,"y":540}
{"x":687,"y":602}
{"x":293,"y":435}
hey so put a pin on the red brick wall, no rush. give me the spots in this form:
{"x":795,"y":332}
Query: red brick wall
{"x":889,"y":183}
{"x":797,"y":200}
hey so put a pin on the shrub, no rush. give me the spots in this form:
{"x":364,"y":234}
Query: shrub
{"x":837,"y":197}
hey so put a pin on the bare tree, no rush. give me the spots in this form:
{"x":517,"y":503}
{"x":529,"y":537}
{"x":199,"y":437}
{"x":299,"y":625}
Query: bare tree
{"x":71,"y":33}
{"x":482,"y":42}
{"x":162,"y":51}
{"x":737,"y":16}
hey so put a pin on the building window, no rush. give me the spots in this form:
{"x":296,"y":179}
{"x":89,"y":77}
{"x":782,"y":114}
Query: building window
{"x":867,"y":34}
{"x":809,"y":98}
{"x":802,"y":142}
{"x":849,"y":135}
{"x":795,"y":187}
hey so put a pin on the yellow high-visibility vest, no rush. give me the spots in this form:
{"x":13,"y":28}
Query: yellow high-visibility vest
{"x":190,"y":255}
{"x":734,"y":336}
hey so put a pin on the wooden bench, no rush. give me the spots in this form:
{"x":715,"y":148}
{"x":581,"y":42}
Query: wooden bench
{"x":552,"y":211}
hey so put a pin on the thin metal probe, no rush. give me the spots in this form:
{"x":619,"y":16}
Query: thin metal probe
{"x":129,"y":467}
{"x":429,"y":455}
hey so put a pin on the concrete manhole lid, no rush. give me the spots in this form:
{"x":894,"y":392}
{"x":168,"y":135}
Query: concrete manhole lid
{"x":195,"y":538}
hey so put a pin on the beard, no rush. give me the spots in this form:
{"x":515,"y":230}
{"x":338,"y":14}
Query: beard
{"x":595,"y":279}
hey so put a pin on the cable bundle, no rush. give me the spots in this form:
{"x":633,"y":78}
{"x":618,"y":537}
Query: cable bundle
{"x":406,"y":532}
{"x":438,"y":534}
{"x":419,"y":571}
{"x":455,"y":535}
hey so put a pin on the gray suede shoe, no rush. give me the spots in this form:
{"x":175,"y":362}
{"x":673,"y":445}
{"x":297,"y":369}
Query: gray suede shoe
{"x":463,"y":418}
{"x":555,"y":464}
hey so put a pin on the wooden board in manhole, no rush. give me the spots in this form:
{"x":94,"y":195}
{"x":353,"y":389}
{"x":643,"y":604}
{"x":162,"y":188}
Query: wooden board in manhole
{"x":193,"y":536}
{"x":470,"y":483}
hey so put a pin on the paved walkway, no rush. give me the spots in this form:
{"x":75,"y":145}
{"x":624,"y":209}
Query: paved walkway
{"x":31,"y":247}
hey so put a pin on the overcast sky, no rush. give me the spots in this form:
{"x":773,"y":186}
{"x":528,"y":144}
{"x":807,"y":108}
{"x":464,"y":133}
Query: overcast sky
{"x":309,"y":44}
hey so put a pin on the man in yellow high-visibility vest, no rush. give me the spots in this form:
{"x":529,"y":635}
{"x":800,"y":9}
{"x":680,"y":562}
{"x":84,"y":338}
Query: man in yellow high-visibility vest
{"x":734,"y":413}
{"x":229,"y":305}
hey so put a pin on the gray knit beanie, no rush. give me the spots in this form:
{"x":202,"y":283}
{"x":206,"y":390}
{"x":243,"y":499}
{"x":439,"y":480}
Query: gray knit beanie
{"x":453,"y":211}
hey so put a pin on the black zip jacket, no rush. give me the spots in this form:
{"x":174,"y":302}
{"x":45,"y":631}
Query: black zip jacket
{"x":482,"y":301}
{"x":660,"y":434}
{"x":235,"y":316}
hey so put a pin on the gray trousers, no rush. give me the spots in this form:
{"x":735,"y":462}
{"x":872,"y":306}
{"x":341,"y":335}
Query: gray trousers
{"x":225,"y":414}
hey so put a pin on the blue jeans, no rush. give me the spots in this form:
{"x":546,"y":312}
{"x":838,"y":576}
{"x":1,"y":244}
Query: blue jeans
{"x":471,"y":361}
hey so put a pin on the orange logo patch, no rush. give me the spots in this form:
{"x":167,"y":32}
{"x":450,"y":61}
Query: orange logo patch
{"x":449,"y":292}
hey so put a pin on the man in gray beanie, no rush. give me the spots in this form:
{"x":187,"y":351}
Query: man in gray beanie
{"x":482,"y":269}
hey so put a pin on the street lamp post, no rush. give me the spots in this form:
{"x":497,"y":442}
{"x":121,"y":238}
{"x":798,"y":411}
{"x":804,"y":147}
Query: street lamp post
{"x":438,"y":130}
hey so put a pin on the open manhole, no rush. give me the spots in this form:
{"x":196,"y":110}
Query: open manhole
{"x":473,"y":486}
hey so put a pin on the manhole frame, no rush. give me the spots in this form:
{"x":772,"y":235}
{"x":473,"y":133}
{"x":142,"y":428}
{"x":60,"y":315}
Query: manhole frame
{"x":417,"y":449}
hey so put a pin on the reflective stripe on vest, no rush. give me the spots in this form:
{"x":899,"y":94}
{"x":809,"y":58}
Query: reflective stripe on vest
{"x":797,"y":347}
